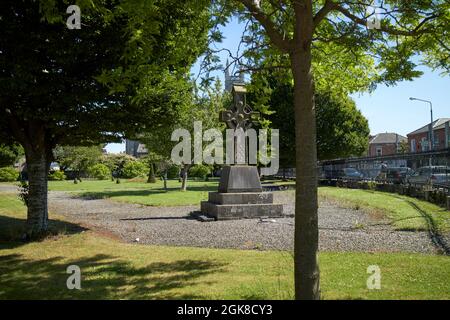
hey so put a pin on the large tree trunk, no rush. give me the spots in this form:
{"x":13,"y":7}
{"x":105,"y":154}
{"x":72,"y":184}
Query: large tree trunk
{"x":306,"y":221}
{"x":37,"y":169}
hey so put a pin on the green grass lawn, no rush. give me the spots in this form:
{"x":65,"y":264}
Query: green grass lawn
{"x":151,"y":194}
{"x":114,"y":270}
{"x":405,"y":212}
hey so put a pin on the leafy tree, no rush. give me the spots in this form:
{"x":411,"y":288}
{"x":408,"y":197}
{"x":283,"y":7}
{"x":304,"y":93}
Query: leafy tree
{"x":403,"y":147}
{"x":99,"y":171}
{"x":57,"y":175}
{"x":134,"y":169}
{"x":200,"y":171}
{"x":78,"y":159}
{"x":152,"y":161}
{"x":116,"y":162}
{"x":342,"y":131}
{"x":191,"y":105}
{"x":330,"y":41}
{"x":8,"y":174}
{"x":9,"y":154}
{"x":80,"y":87}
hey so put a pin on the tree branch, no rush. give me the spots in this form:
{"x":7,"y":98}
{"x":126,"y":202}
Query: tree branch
{"x":274,"y":34}
{"x":323,"y":12}
{"x":416,"y":31}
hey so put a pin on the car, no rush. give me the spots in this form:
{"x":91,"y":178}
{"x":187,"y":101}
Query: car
{"x":396,"y":175}
{"x":344,"y":174}
{"x":431,"y":175}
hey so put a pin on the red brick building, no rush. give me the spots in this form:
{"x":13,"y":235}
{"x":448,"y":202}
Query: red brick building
{"x":418,"y":140}
{"x":384,"y":144}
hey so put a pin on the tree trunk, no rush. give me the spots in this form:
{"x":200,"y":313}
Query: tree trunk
{"x":306,"y":267}
{"x":37,"y":168}
{"x":151,"y":174}
{"x":165,"y":179}
{"x":184,"y":177}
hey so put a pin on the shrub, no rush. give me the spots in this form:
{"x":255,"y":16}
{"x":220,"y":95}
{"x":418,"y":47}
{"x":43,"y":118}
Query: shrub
{"x":116,"y":162}
{"x":200,"y":171}
{"x":8,"y":174}
{"x":173,"y":172}
{"x":134,"y":169}
{"x":99,"y":171}
{"x":57,"y":175}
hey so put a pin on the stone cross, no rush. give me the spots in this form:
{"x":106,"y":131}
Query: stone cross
{"x":239,"y":116}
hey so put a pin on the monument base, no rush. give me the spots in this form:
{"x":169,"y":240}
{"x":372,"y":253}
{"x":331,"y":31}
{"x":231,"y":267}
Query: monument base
{"x":239,"y":178}
{"x":247,"y":205}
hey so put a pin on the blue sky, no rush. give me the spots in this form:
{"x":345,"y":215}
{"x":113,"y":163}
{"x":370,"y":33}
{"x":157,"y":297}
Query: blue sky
{"x":388,"y":109}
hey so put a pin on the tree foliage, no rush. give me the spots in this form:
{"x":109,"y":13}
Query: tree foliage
{"x":342,"y":131}
{"x":86,"y":86}
{"x":328,"y":44}
{"x":10,"y":154}
{"x":78,"y":159}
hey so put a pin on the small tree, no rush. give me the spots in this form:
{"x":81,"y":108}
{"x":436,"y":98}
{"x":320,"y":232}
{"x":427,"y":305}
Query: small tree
{"x":8,"y":174}
{"x":78,"y":159}
{"x":116,"y":162}
{"x":134,"y":169}
{"x":99,"y":171}
{"x":9,"y":154}
{"x":335,"y":40}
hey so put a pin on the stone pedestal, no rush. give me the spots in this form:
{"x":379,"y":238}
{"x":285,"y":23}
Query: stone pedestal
{"x":240,"y":196}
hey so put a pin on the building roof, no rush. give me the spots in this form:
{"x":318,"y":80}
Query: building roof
{"x":437,"y":124}
{"x":387,"y":137}
{"x":141,"y":148}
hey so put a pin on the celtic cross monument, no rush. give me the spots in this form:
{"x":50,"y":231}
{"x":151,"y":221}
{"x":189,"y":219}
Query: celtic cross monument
{"x":240,"y":193}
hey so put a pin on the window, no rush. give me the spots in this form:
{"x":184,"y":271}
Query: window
{"x":413,"y":145}
{"x":436,"y":142}
{"x":379,"y":151}
{"x":424,"y":144}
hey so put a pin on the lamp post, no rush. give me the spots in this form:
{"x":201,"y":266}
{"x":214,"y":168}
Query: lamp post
{"x":431,"y":147}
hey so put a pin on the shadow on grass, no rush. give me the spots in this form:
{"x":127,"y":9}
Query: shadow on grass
{"x":93,"y":195}
{"x":102,"y":277}
{"x":433,"y":231}
{"x":12,"y":230}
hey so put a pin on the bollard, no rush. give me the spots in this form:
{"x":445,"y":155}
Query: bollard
{"x":427,"y":195}
{"x":448,"y":202}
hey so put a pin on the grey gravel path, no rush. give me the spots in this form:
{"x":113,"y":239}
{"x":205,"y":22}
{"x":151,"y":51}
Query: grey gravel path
{"x":340,"y":229}
{"x":8,"y":188}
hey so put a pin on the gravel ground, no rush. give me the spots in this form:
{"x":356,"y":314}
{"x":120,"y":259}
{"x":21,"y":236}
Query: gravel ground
{"x":340,"y":229}
{"x":9,"y":188}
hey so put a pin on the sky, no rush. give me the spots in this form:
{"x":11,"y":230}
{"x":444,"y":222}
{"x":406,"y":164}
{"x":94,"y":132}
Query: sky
{"x":388,"y":109}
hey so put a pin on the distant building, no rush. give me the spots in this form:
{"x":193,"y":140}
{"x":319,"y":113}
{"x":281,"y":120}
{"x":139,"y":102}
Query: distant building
{"x":384,"y":144}
{"x":135,"y":148}
{"x":418,"y":140}
{"x":231,"y":79}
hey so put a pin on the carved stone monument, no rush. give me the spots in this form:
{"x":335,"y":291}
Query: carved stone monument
{"x":240,"y":193}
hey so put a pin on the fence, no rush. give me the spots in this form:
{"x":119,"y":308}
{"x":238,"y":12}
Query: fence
{"x":370,"y":167}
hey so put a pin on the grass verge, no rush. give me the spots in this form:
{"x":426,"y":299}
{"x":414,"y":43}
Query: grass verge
{"x":114,"y":270}
{"x":140,"y":192}
{"x":402,"y":210}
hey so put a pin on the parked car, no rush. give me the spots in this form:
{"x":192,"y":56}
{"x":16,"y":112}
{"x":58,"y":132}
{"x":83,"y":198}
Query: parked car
{"x":344,"y":174}
{"x":396,"y":175}
{"x":431,"y":174}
